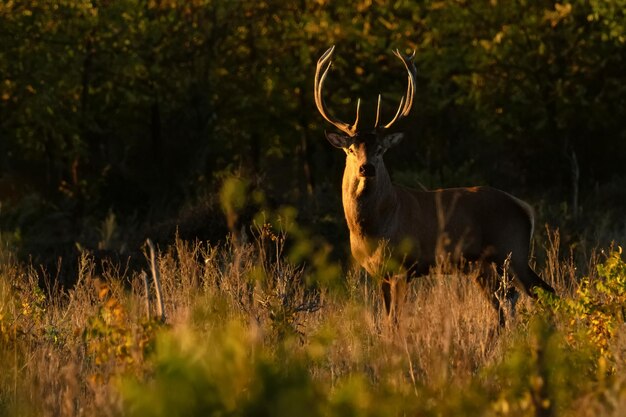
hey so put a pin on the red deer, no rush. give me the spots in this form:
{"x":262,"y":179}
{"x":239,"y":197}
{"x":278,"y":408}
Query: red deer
{"x":397,"y":233}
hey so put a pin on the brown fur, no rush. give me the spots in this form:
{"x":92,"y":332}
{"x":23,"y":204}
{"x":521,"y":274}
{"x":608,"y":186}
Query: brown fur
{"x":397,"y":233}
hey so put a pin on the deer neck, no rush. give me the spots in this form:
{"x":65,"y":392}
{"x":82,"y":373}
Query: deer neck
{"x":369,"y":203}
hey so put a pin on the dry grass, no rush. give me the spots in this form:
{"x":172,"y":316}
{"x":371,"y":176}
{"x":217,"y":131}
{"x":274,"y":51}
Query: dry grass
{"x":63,"y":354}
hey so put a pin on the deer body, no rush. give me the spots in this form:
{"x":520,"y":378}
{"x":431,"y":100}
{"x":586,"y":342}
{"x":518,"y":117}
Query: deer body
{"x":428,"y":225}
{"x":397,"y":233}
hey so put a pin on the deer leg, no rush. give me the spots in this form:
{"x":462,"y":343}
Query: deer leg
{"x":490,"y":283}
{"x":400,"y":295}
{"x":387,"y":299}
{"x":394,"y":296}
{"x":529,"y":279}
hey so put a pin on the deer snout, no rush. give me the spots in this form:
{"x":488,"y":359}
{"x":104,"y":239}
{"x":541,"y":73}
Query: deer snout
{"x":367,"y":170}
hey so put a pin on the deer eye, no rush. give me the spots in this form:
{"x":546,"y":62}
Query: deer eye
{"x":351,"y":151}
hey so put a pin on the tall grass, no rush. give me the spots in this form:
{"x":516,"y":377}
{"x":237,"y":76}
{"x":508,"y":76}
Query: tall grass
{"x":253,"y":329}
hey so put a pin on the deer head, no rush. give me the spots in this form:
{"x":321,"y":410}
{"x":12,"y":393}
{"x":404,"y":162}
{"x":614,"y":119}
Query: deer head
{"x":364,"y":147}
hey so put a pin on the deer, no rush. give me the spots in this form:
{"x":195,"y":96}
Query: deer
{"x":399,"y":233}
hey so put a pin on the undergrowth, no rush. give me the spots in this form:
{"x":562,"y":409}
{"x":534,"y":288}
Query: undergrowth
{"x":264,"y":326}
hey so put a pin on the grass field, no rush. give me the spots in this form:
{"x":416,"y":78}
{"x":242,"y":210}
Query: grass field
{"x":253,"y":328}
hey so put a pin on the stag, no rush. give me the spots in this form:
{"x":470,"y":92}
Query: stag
{"x":397,"y":233}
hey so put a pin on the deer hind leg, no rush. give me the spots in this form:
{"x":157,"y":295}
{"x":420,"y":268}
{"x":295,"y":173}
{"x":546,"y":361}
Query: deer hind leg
{"x":502,"y":297}
{"x":529,"y":279}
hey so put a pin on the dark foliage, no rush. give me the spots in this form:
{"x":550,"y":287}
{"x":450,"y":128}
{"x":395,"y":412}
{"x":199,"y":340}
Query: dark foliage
{"x":140,"y":109}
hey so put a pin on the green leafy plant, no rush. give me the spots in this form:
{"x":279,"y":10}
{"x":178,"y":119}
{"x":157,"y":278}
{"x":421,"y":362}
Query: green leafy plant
{"x":114,"y":343}
{"x":600,"y":304}
{"x":225,"y":373}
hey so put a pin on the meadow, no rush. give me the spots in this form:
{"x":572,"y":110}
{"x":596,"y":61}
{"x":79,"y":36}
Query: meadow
{"x":258,"y":325}
{"x":194,"y":124}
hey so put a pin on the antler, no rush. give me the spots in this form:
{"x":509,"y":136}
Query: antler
{"x":406,"y":102}
{"x":319,"y":100}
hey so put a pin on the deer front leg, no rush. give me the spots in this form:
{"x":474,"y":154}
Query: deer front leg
{"x":394,"y":296}
{"x":387,"y":299}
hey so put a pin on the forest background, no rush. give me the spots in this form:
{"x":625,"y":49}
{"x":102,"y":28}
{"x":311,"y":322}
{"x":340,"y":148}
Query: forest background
{"x":121,"y":120}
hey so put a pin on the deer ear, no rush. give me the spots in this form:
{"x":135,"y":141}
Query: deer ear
{"x":392,"y":140}
{"x":338,"y":140}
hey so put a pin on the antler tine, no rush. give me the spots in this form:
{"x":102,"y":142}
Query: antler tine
{"x":398,"y":113}
{"x":406,"y":102}
{"x":319,"y":99}
{"x":356,"y":121}
{"x":377,"y":112}
{"x":410,"y":89}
